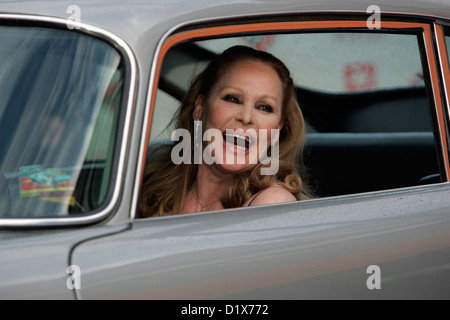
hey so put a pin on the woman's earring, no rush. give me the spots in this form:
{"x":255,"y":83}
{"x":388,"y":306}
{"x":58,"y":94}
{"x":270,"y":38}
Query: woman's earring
{"x":197,"y":141}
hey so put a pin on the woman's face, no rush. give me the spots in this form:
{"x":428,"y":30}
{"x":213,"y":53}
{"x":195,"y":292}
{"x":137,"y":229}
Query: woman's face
{"x":245,"y":108}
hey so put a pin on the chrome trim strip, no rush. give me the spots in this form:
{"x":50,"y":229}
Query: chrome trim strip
{"x":441,"y":65}
{"x":148,"y":100}
{"x":443,"y":73}
{"x":434,"y":87}
{"x":123,"y":47}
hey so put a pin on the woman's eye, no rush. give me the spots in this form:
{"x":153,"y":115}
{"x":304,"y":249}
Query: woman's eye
{"x":265,"y":107}
{"x":231,"y":98}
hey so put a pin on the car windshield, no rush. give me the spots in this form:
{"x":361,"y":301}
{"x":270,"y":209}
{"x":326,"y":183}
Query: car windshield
{"x":61,"y":93}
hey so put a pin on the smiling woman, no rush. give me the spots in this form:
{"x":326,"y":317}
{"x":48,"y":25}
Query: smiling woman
{"x":245,"y":102}
{"x":244,"y":96}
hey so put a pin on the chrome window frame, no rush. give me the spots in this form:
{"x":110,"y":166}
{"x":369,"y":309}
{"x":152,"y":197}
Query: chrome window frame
{"x":443,"y":64}
{"x":115,"y":187}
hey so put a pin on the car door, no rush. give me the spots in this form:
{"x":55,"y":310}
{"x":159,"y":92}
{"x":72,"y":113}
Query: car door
{"x":379,"y":225}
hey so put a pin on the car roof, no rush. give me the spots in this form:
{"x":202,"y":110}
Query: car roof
{"x":140,"y":16}
{"x":142,"y":23}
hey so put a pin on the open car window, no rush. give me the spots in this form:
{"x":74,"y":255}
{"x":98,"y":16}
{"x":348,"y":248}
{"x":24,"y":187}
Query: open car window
{"x":338,"y":62}
{"x":61,"y":95}
{"x":365,"y":97}
{"x":332,"y":64}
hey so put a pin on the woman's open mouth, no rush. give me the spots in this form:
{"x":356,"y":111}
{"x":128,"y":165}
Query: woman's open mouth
{"x":238,"y":140}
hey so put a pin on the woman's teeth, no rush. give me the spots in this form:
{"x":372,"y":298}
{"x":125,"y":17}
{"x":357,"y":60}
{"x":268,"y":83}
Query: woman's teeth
{"x":237,"y":140}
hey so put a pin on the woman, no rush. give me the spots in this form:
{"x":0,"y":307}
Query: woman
{"x":243,"y":93}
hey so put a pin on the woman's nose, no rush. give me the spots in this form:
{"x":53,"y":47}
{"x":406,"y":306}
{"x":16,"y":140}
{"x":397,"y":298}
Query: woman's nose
{"x":245,"y":115}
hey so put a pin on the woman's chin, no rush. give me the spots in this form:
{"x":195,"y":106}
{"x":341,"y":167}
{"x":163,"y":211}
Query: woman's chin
{"x":234,"y":168}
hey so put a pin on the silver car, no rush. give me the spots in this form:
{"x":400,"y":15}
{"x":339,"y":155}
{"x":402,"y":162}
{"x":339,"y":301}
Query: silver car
{"x":88,"y":89}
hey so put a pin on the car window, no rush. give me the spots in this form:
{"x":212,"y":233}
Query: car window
{"x":340,"y":61}
{"x":350,"y":66}
{"x":336,"y":65}
{"x":61,"y":93}
{"x":364,"y":97}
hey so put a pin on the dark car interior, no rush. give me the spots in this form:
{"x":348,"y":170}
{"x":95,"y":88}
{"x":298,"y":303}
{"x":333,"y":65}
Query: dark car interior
{"x":356,"y":142}
{"x":378,"y":140}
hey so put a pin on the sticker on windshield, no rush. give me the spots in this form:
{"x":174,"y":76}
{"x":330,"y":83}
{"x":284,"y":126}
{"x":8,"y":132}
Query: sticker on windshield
{"x":49,"y":184}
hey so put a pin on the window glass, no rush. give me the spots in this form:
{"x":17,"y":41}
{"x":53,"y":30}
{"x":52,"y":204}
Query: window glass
{"x":362,"y":94}
{"x":366,"y":82}
{"x":346,"y":69}
{"x":61,"y":93}
{"x":447,"y":43}
{"x":340,"y":62}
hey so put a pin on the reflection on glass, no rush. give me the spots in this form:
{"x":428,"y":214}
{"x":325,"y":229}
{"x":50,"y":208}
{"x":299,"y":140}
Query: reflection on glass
{"x":61,"y":93}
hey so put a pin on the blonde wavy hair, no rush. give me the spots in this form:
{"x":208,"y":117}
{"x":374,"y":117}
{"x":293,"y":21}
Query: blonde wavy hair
{"x":166,"y":184}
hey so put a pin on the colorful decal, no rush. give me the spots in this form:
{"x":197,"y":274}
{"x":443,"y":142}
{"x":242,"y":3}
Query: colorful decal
{"x":50,"y":184}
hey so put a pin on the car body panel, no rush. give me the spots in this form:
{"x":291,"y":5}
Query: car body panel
{"x":34,"y":263}
{"x":314,"y":249}
{"x":306,"y":250}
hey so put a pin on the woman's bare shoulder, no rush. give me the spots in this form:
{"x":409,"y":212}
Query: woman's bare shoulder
{"x":272,"y":194}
